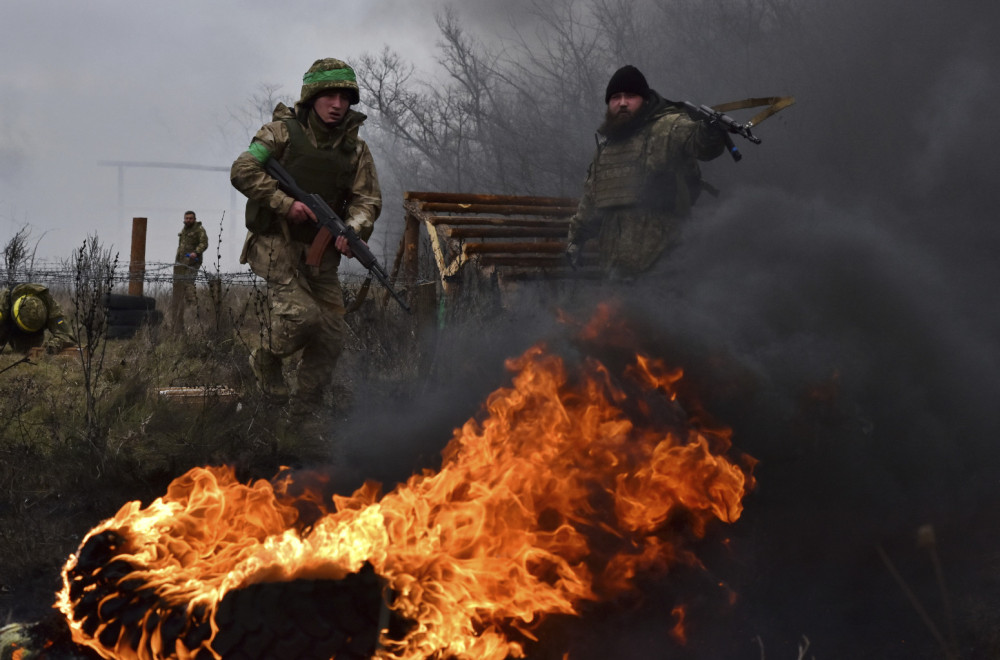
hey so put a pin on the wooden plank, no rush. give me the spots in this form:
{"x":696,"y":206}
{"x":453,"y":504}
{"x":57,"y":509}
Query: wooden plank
{"x":496,"y":220}
{"x":198,"y":394}
{"x":498,"y":209}
{"x":524,"y":260}
{"x":473,"y":198}
{"x":560,"y":273}
{"x":534,"y":247}
{"x":503,"y":232}
{"x":409,"y":254}
{"x":446,"y":268}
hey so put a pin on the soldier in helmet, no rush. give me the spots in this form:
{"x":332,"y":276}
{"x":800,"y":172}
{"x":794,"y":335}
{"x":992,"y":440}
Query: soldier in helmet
{"x":317,"y":142}
{"x":192,"y":241}
{"x":643,"y":179}
{"x":27,"y":311}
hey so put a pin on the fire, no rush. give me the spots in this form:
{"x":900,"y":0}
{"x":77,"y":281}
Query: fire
{"x":559,"y":493}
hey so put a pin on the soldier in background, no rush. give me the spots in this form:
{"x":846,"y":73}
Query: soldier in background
{"x":191,"y":245}
{"x":27,"y":312}
{"x":318,"y":143}
{"x":643,"y":179}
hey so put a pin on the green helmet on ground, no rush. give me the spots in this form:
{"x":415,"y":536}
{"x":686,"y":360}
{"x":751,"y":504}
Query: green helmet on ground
{"x":30,"y":313}
{"x":16,"y":643}
{"x":328,"y":74}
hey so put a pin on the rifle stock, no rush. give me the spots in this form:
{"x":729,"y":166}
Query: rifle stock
{"x":331,"y":226}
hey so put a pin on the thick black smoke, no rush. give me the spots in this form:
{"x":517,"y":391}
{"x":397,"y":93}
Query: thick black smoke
{"x":838,"y":308}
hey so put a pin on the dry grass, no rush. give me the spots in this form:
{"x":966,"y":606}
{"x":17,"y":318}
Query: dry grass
{"x":56,"y":483}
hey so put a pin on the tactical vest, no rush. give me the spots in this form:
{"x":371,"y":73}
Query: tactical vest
{"x":620,"y":172}
{"x":327,"y":172}
{"x":623,"y":178}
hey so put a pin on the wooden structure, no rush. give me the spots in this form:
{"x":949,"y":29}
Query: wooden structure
{"x":512,"y":237}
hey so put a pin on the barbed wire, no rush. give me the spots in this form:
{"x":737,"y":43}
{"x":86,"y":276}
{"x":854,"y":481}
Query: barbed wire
{"x":51,"y":273}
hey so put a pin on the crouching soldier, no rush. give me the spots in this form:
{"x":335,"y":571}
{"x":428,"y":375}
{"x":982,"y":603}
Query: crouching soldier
{"x":27,"y":313}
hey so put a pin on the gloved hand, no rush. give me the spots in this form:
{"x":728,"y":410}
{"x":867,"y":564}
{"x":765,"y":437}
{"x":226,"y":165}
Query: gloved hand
{"x":574,"y":255}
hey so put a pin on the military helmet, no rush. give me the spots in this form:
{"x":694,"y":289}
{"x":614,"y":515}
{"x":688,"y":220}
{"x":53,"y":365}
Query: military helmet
{"x":329,"y":74}
{"x":30,"y":312}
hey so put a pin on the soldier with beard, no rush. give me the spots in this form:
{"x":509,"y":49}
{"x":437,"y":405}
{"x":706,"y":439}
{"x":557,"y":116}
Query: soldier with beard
{"x":643,"y":179}
{"x":318,"y":144}
{"x":192,"y":241}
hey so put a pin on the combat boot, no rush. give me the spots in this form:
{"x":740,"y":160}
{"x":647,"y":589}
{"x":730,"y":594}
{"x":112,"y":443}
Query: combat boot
{"x":266,"y":368}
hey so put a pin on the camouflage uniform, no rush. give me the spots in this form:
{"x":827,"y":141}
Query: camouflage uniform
{"x":306,"y":304}
{"x":60,"y":336}
{"x":192,"y":239}
{"x":640,"y":187}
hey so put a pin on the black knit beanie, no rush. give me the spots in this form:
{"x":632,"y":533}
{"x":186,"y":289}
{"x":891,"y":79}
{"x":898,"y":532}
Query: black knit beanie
{"x":627,"y":79}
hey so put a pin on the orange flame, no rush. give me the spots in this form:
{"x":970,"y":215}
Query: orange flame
{"x":678,"y":632}
{"x":560,"y":494}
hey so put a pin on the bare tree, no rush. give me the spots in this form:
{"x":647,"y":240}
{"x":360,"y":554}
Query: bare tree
{"x":513,"y":116}
{"x":258,"y":109}
{"x":94,"y":268}
{"x":517,"y":114}
{"x":18,"y":257}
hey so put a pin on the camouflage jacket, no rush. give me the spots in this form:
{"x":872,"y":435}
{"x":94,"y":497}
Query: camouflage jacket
{"x":639,"y":186}
{"x":60,"y":335}
{"x":248,"y":175}
{"x":191,"y":239}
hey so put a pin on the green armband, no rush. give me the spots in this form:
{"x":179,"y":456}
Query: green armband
{"x":259,"y":151}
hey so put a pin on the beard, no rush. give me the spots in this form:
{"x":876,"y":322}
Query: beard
{"x":619,"y":123}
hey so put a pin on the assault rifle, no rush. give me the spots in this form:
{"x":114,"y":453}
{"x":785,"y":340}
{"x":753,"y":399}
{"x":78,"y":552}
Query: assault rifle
{"x":725,"y":123}
{"x":331,"y":226}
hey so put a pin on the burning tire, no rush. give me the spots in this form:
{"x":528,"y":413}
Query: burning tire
{"x":304,"y":619}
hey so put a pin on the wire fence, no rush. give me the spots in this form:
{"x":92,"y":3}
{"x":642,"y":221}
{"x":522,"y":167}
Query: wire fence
{"x":61,"y":275}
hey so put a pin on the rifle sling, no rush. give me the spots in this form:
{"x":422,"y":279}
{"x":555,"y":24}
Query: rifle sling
{"x":773,"y":103}
{"x":362,"y":294}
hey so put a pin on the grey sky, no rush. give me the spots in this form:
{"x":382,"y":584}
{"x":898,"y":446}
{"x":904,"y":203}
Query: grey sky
{"x":887,"y":102}
{"x":141,"y":81}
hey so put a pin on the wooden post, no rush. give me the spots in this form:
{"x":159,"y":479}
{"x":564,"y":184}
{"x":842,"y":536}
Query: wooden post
{"x":411,"y":242}
{"x":137,"y":262}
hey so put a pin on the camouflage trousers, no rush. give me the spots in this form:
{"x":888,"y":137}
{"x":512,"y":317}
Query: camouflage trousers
{"x":632,"y":241}
{"x":304,"y":311}
{"x":184,"y":295}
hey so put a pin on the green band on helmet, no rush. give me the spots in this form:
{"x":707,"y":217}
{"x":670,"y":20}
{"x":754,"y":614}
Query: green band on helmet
{"x":259,"y":151}
{"x":29,"y":312}
{"x":330,"y":75}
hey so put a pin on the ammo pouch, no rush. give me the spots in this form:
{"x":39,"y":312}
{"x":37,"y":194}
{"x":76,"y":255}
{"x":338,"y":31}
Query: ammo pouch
{"x":259,"y":220}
